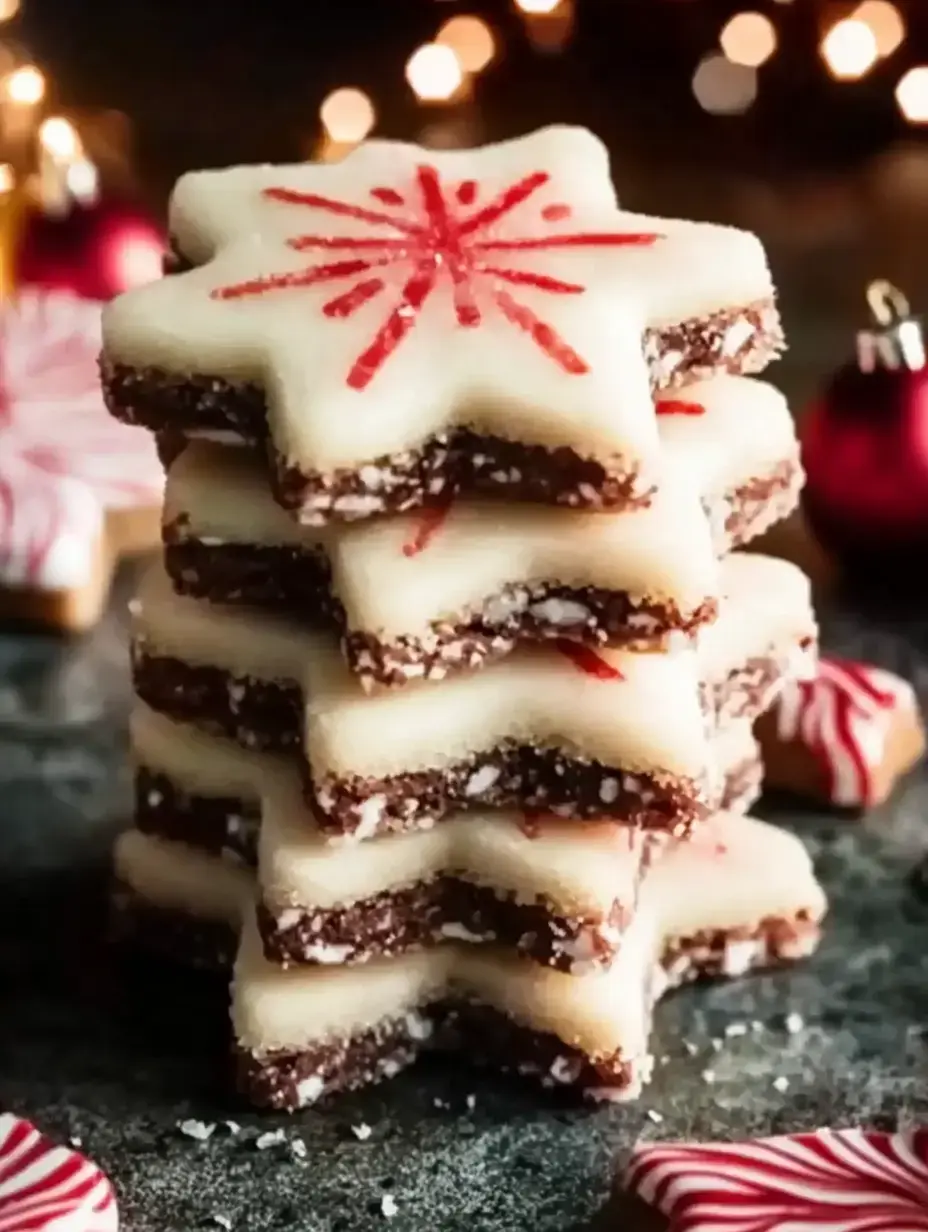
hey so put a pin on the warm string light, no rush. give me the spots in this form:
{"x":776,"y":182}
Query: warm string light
{"x":885,"y":22}
{"x":347,"y":115}
{"x":25,"y":86}
{"x":538,"y":7}
{"x":722,"y":87}
{"x":434,"y":72}
{"x":471,"y":40}
{"x":912,"y":95}
{"x":749,"y":39}
{"x":849,"y":50}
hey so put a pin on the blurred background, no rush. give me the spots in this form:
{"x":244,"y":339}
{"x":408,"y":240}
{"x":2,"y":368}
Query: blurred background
{"x":805,"y":120}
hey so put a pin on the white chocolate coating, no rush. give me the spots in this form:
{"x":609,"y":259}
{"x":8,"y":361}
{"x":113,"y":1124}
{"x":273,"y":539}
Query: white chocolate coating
{"x":579,"y":869}
{"x":179,"y":878}
{"x":766,"y":610}
{"x":650,"y":720}
{"x":662,"y":552}
{"x":203,"y":765}
{"x":492,"y":376}
{"x":748,"y":872}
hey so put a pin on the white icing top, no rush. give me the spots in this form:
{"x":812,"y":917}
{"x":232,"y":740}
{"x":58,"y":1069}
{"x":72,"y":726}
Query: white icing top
{"x":648,"y":720}
{"x":181,"y":878}
{"x":63,"y":460}
{"x":662,"y":552}
{"x":583,"y":867}
{"x":452,"y":269}
{"x":744,"y":871}
{"x":579,"y":868}
{"x":766,"y":610}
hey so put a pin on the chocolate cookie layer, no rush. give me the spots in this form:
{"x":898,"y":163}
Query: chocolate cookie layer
{"x":509,"y":776}
{"x":290,"y":1080}
{"x":740,"y":340}
{"x":221,"y":825}
{"x":441,"y":909}
{"x":773,"y":942}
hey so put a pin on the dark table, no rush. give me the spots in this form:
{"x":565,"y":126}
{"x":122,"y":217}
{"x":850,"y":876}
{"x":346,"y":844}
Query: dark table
{"x":116,"y":1054}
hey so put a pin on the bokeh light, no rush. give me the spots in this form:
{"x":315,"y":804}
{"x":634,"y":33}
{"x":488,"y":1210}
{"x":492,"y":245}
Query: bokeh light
{"x":537,"y":6}
{"x":849,"y":50}
{"x":7,"y":178}
{"x":886,"y":24}
{"x":83,"y":181}
{"x":347,"y":115}
{"x":912,"y":95}
{"x":59,"y":137}
{"x":434,"y":72}
{"x":471,"y":40}
{"x":25,"y":85}
{"x":133,"y":258}
{"x":8,"y":9}
{"x":724,"y":88}
{"x":749,"y":39}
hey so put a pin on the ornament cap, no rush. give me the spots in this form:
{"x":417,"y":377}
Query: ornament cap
{"x":896,"y":340}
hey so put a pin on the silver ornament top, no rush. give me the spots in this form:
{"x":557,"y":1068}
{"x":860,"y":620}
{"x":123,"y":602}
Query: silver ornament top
{"x":896,"y":340}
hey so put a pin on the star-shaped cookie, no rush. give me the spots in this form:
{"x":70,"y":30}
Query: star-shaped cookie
{"x":407,"y":323}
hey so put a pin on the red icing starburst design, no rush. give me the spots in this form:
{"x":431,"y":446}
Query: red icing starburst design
{"x":586,"y":660}
{"x":846,"y":1180}
{"x":442,"y":236}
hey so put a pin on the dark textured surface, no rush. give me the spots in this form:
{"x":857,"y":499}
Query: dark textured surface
{"x":117,"y":1056}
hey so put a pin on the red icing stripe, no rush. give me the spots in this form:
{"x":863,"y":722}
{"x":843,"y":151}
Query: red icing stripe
{"x":587,"y":660}
{"x":675,"y":406}
{"x":430,"y":522}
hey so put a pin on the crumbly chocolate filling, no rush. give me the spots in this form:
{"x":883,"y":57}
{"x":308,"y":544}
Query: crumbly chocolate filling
{"x":755,"y":506}
{"x":511,"y":776}
{"x":774,"y":941}
{"x":743,"y":786}
{"x":258,"y":714}
{"x":295,"y":581}
{"x":507,"y":777}
{"x":152,"y":929}
{"x":737,"y":340}
{"x":225,"y":826}
{"x":442,"y":909}
{"x":288,"y":1080}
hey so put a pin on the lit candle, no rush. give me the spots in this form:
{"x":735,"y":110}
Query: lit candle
{"x":12,"y":202}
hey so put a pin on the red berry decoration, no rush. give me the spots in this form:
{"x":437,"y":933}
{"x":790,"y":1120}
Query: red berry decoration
{"x":865,"y":450}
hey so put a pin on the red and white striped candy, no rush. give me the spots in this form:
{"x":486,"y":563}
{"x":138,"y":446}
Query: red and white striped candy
{"x":63,"y":460}
{"x":844,"y":1180}
{"x":843,"y":717}
{"x":49,"y":1188}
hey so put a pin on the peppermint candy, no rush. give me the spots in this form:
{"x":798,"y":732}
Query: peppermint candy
{"x":846,"y":1180}
{"x":63,"y":460}
{"x":843,"y":717}
{"x":49,"y":1188}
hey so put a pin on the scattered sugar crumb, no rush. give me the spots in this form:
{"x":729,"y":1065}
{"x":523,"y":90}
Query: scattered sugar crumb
{"x":716,"y":1045}
{"x":690,"y":1047}
{"x":200,"y":1130}
{"x":233,"y":1127}
{"x":734,"y":1029}
{"x":222,"y":1221}
{"x":655,"y":1116}
{"x":362,"y":1132}
{"x":794,"y":1023}
{"x":756,"y":1026}
{"x":439,"y":1103}
{"x":388,"y":1206}
{"x":708,"y":1075}
{"x":273,"y":1137}
{"x":781,"y":1084}
{"x":471,"y":1102}
{"x":76,"y":1140}
{"x":298,"y":1148}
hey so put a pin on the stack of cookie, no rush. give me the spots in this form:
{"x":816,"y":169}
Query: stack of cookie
{"x":447,"y":664}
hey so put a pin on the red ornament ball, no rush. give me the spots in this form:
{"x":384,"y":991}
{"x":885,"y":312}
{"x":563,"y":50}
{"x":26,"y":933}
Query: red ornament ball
{"x":865,"y":450}
{"x":96,"y":251}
